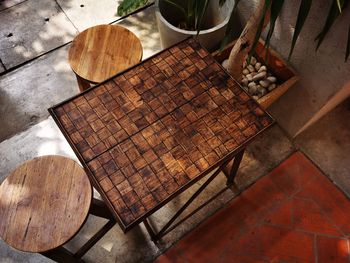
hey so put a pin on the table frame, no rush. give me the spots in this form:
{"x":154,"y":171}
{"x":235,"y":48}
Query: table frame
{"x":169,"y":226}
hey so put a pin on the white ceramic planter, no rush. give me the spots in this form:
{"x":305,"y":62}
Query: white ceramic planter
{"x":216,"y":17}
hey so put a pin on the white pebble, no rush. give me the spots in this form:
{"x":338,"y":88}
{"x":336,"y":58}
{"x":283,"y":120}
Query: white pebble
{"x":245,"y":71}
{"x":264,"y":83}
{"x":262,"y":68}
{"x":244,"y":81}
{"x":251,"y":68}
{"x":249,"y":77}
{"x":251,"y":84}
{"x":252,"y":90}
{"x":253,"y":61}
{"x":272,"y":87}
{"x":257,"y":65}
{"x":272,"y":79}
{"x":255,"y":97}
{"x":263,"y":91}
{"x":259,"y":76}
{"x":225,"y":63}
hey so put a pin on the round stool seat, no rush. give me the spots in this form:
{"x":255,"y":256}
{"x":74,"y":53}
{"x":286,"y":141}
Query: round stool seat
{"x":102,"y":51}
{"x":43,"y":203}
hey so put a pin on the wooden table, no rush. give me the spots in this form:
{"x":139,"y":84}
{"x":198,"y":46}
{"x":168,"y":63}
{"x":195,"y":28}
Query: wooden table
{"x":151,"y":132}
{"x":102,"y":51}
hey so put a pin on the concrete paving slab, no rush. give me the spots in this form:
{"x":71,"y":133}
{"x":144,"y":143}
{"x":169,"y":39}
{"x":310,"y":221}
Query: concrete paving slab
{"x":327,"y":143}
{"x":87,"y":13}
{"x":144,"y":26}
{"x":4,"y":4}
{"x":32,"y":28}
{"x":270,"y":149}
{"x":135,"y":246}
{"x":44,"y":138}
{"x":27,"y":93}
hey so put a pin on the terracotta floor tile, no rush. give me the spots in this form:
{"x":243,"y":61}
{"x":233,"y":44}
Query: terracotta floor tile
{"x":293,"y":173}
{"x":330,"y":199}
{"x":273,"y":222}
{"x":332,"y":250}
{"x":281,"y":216}
{"x":242,"y":259}
{"x":260,"y":199}
{"x":284,"y":245}
{"x":307,"y":216}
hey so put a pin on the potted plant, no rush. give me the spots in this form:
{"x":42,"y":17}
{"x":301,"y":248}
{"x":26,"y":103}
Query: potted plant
{"x":179,"y":19}
{"x":267,"y":12}
{"x":249,"y":43}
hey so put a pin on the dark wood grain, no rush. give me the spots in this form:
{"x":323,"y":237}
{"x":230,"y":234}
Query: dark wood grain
{"x":157,"y":127}
{"x":43,"y":203}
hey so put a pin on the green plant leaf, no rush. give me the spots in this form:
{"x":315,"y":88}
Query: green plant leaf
{"x":258,"y":32}
{"x":347,"y":52}
{"x":128,"y":6}
{"x":276,"y":8}
{"x":229,"y":28}
{"x":201,"y":7}
{"x":304,"y":9}
{"x":174,"y":4}
{"x":191,"y":5}
{"x":222,"y":2}
{"x":340,"y":4}
{"x":332,"y":16}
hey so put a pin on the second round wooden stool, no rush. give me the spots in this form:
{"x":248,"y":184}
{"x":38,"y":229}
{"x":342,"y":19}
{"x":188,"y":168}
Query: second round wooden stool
{"x":102,"y":51}
{"x":44,"y":203}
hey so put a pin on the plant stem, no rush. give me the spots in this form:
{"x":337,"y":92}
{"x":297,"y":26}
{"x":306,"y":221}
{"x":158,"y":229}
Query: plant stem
{"x":245,"y":41}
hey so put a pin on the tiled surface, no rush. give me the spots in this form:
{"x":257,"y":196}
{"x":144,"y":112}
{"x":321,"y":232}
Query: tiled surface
{"x":155,"y":128}
{"x":36,"y":26}
{"x":294,"y":214}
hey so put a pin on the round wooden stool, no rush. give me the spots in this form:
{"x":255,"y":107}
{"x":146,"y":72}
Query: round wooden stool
{"x":102,"y":51}
{"x":44,"y":203}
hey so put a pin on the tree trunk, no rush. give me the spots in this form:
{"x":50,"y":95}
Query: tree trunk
{"x":245,"y":41}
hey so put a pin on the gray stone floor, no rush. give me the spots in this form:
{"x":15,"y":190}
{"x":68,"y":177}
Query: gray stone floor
{"x":36,"y":83}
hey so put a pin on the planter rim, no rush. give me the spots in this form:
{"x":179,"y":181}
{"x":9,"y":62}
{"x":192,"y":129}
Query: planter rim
{"x":190,"y":32}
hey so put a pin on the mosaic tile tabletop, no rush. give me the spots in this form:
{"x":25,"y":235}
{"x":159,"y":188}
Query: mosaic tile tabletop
{"x":150,"y":132}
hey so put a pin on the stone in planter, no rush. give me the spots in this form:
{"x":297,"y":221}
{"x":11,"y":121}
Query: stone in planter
{"x":283,"y":78}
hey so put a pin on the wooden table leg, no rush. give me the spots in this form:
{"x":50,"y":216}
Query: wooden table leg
{"x":82,"y":83}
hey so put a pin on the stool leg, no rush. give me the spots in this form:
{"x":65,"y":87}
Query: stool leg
{"x":82,"y":83}
{"x":100,"y":209}
{"x":62,"y":255}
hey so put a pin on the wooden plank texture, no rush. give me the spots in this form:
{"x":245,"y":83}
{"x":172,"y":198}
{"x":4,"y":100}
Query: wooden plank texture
{"x":159,"y":126}
{"x":43,"y":203}
{"x":102,"y":51}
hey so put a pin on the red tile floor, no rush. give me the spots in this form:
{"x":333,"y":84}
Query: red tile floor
{"x":293,"y":214}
